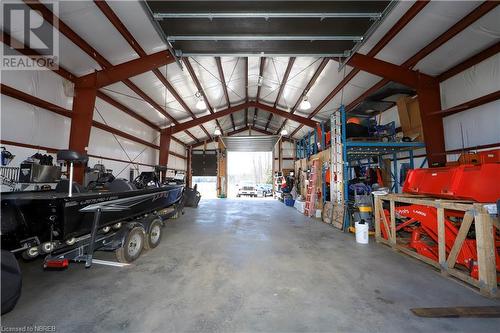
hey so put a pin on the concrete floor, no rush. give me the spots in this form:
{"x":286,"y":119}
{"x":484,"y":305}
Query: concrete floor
{"x":247,"y":265}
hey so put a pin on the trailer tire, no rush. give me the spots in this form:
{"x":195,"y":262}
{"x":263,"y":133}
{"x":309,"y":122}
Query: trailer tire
{"x":132,"y":246}
{"x":11,"y":281}
{"x":153,"y":236}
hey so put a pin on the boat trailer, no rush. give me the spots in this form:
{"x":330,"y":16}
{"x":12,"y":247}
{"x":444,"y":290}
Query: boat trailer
{"x":127,"y":238}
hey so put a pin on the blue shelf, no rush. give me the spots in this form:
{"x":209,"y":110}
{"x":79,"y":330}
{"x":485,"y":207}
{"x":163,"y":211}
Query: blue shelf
{"x":359,"y":150}
{"x":381,"y":144}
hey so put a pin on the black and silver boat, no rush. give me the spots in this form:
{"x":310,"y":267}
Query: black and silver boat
{"x":57,"y":217}
{"x":71,"y":222}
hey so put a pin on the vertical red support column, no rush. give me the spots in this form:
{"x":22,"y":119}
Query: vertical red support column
{"x":280,"y":154}
{"x":189,"y":174}
{"x":429,"y":100}
{"x":81,"y":124}
{"x":165,"y":136}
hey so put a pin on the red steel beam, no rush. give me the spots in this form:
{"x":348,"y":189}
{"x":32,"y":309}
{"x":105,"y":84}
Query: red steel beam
{"x":291,"y":61}
{"x":81,"y":124}
{"x":301,"y":120}
{"x":67,"y":31}
{"x":243,"y":129}
{"x":228,"y":111}
{"x":123,"y":71}
{"x":429,"y":101}
{"x":246,"y":79}
{"x":122,"y":134}
{"x":25,"y":50}
{"x":192,"y":136}
{"x":270,"y":133}
{"x":395,"y":29}
{"x":125,"y":109}
{"x":308,"y":87}
{"x":27,"y":145}
{"x":165,"y":137}
{"x":222,"y":80}
{"x":55,"y":150}
{"x":494,"y":96}
{"x":246,"y":89}
{"x":311,"y":82}
{"x":122,"y":29}
{"x":398,"y":26}
{"x":472,"y":61}
{"x":385,"y":69}
{"x":465,"y":22}
{"x":179,"y":141}
{"x":189,"y":169}
{"x":149,"y":100}
{"x":27,"y":98}
{"x":224,"y":87}
{"x":204,"y":119}
{"x":197,"y":83}
{"x":259,"y":86}
{"x":261,"y":73}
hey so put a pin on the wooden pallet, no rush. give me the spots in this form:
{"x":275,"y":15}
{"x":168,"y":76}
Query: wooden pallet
{"x":474,"y":212}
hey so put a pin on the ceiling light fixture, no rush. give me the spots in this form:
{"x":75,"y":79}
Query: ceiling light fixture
{"x":200,"y":105}
{"x":284,"y":132}
{"x":217,"y":132}
{"x":260,"y":81}
{"x":305,"y":104}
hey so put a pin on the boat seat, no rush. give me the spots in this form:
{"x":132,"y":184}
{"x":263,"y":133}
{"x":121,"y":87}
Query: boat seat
{"x":120,"y":185}
{"x":71,"y":156}
{"x":63,"y":186}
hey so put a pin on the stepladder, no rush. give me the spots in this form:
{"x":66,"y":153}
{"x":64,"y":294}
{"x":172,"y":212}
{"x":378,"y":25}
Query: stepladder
{"x":311,"y":188}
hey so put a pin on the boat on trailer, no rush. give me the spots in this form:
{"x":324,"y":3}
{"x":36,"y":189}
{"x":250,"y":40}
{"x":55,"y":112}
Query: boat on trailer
{"x":70,"y":223}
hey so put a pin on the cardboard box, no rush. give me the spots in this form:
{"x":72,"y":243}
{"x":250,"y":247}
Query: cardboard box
{"x":409,"y":117}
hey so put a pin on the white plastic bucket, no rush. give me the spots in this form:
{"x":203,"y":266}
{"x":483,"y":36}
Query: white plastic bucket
{"x":361,"y":232}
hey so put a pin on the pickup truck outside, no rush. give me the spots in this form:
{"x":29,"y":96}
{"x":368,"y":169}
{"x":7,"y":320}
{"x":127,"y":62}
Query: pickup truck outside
{"x":247,"y":190}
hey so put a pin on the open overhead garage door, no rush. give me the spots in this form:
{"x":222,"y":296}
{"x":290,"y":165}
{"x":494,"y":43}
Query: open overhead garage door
{"x":250,"y":143}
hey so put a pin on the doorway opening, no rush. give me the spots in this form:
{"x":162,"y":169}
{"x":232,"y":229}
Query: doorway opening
{"x":249,"y":174}
{"x":207,"y":186}
{"x":204,"y":171}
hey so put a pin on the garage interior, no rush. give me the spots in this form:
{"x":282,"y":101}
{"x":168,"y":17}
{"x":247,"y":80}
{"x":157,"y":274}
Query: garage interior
{"x":383,"y":122}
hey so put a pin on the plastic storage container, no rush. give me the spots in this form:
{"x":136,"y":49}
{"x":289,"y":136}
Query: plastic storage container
{"x":361,"y":232}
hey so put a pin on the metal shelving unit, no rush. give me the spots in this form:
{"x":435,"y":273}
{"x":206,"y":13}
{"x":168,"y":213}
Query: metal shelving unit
{"x":350,"y":153}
